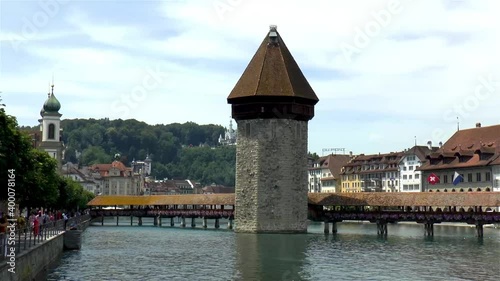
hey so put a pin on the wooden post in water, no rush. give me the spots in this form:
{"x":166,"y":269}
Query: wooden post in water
{"x":429,"y":229}
{"x":183,"y":222}
{"x":131,"y":220}
{"x":217,"y":225}
{"x":479,"y":229}
{"x":117,"y":219}
{"x":230,"y":224}
{"x":172,"y":221}
{"x":326,"y":227}
{"x":193,"y":222}
{"x":334,"y":227}
{"x":204,"y":222}
{"x":140,"y":221}
{"x":102,"y":221}
{"x":160,"y":220}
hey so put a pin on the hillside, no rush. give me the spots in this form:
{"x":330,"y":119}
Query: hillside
{"x":178,"y":150}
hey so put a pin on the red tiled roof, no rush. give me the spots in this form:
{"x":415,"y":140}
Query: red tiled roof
{"x":474,"y":147}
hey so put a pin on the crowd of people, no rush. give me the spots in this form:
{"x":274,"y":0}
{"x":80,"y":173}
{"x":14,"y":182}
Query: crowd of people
{"x":34,"y":223}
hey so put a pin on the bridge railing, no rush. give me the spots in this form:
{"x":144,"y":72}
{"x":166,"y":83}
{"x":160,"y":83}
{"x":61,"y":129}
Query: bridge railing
{"x":20,"y":238}
{"x":467,"y":217}
{"x":188,"y":213}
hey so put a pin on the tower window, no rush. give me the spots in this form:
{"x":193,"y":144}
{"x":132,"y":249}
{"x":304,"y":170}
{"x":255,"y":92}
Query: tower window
{"x":52,"y":131}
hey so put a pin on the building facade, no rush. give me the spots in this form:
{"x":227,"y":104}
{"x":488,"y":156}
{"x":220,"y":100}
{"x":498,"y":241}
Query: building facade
{"x":117,"y":179}
{"x":324,"y":175}
{"x":410,"y":175}
{"x":230,"y":135}
{"x":372,"y":173}
{"x":467,"y":162}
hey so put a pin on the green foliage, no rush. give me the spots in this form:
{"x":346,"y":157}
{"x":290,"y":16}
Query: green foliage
{"x":37,"y":183}
{"x":313,"y":156}
{"x":72,"y":195}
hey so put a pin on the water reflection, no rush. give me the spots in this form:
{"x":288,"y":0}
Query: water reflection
{"x":270,"y":257}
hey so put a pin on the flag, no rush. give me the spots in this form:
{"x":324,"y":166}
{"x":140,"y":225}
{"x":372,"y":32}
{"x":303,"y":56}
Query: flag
{"x":457,"y":178}
{"x":433,"y":179}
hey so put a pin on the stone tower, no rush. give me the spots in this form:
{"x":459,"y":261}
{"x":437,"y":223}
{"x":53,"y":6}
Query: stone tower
{"x":272,"y":104}
{"x":50,"y":128}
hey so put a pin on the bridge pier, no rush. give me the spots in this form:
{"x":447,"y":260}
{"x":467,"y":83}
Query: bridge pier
{"x":140,"y":221}
{"x":131,"y":220}
{"x":217,"y":225}
{"x":326,"y":227}
{"x":155,"y":221}
{"x":429,"y":229}
{"x":230,"y":224}
{"x":193,"y":223}
{"x":204,"y":222}
{"x":183,"y":222}
{"x":102,"y":220}
{"x":159,"y":217}
{"x":334,"y":227}
{"x":382,"y":228}
{"x":172,"y":221}
{"x":479,"y":230}
{"x":117,"y":220}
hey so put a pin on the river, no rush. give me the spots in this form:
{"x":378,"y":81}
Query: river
{"x":355,"y":253}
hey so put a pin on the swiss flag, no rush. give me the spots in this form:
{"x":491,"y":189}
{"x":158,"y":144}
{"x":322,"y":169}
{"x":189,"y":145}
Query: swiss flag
{"x":433,"y":179}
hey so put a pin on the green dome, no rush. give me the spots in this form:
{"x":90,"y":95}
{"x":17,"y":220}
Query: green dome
{"x":42,"y":111}
{"x":51,"y":105}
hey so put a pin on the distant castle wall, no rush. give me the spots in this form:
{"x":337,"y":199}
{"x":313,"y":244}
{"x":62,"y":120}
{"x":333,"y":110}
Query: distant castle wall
{"x":271,"y":182}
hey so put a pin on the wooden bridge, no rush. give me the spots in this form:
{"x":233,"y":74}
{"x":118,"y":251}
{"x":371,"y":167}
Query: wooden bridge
{"x":477,"y":208}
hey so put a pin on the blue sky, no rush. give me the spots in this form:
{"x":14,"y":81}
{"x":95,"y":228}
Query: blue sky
{"x":384,"y":71}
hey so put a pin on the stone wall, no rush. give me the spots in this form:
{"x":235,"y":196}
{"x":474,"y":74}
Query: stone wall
{"x":271,"y":176}
{"x":34,"y":262}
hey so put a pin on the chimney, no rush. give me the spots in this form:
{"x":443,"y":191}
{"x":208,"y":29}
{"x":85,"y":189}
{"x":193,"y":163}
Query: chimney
{"x":429,"y":145}
{"x":478,"y":125}
{"x":350,"y":153}
{"x":440,"y":144}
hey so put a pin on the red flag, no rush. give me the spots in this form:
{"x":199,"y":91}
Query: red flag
{"x":433,"y":179}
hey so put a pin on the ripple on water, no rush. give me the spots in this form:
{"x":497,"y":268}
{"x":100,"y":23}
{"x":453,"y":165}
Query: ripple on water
{"x":149,"y":253}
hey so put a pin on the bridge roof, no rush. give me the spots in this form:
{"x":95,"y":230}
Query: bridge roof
{"x":191,"y":199}
{"x":388,"y":199}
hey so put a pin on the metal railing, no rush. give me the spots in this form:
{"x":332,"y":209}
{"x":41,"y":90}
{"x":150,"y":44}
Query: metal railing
{"x":17,"y":240}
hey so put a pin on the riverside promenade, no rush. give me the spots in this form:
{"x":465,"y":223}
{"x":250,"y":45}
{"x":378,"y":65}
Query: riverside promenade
{"x":25,"y":256}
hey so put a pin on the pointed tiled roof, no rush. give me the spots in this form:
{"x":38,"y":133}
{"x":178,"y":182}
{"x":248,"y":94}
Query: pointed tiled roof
{"x":273,"y":72}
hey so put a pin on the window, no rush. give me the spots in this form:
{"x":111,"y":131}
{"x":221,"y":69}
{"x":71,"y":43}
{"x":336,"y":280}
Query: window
{"x":445,"y":179}
{"x":417,"y":176}
{"x":410,"y":177}
{"x":404,"y":177}
{"x":52,"y":131}
{"x":404,"y":168}
{"x":469,"y":177}
{"x":410,"y":168}
{"x":487,"y":176}
{"x":478,"y":176}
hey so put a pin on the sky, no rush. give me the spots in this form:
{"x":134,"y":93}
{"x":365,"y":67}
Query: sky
{"x":387,"y":73}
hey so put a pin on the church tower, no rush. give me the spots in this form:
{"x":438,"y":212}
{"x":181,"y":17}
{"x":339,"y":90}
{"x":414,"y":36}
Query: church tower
{"x":50,"y":128}
{"x":272,"y":103}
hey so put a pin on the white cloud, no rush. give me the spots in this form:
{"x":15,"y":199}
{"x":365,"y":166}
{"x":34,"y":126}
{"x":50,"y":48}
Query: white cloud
{"x":424,"y":61}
